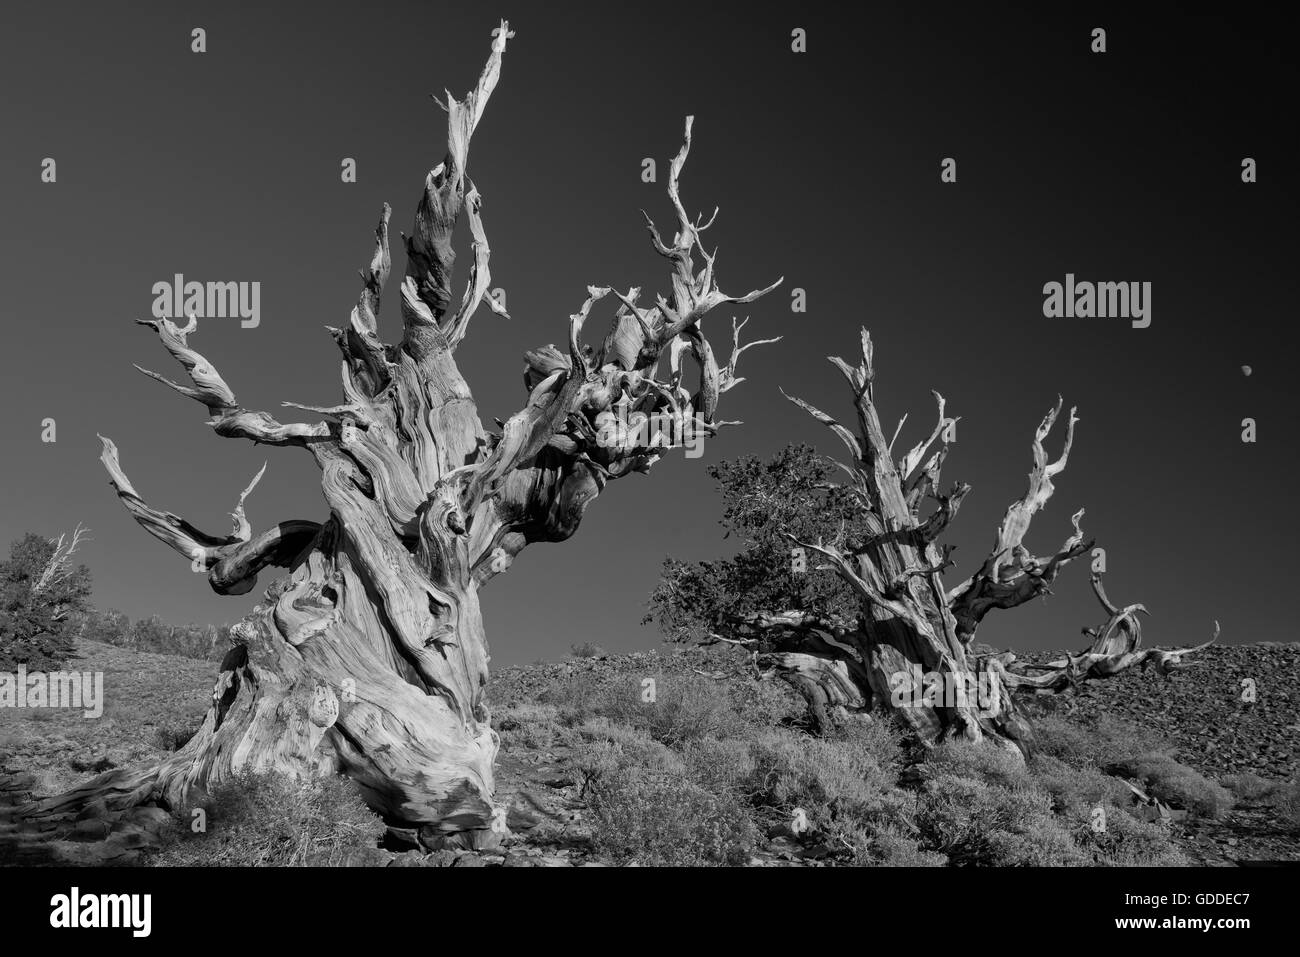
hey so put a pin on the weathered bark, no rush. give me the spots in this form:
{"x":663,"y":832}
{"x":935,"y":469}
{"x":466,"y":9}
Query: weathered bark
{"x":370,"y":658}
{"x":1116,"y":647}
{"x":909,"y":649}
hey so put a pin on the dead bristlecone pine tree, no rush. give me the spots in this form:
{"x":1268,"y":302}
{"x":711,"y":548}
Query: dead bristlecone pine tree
{"x":911,"y":624}
{"x":370,"y":658}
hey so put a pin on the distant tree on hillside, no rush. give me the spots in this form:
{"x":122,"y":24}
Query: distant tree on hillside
{"x":40,"y":593}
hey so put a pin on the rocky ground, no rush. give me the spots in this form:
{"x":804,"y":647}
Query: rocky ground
{"x":151,"y":705}
{"x":1204,"y":712}
{"x":1236,"y":710}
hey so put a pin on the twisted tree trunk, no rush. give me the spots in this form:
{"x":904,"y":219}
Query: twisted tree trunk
{"x":370,"y":659}
{"x":910,"y":646}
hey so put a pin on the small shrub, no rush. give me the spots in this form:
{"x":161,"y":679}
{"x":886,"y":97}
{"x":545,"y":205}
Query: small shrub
{"x":1100,"y":743}
{"x":983,"y":762}
{"x":686,"y":708}
{"x":1125,"y":841}
{"x":765,"y":704}
{"x":1042,"y":841}
{"x":611,"y":746}
{"x":1076,"y":790}
{"x":973,"y":822}
{"x":661,"y":817}
{"x":836,"y":784}
{"x":532,"y":726}
{"x":875,"y":737}
{"x":1177,"y":784}
{"x":269,"y":820}
{"x":575,"y":696}
{"x":586,"y":649}
{"x":719,"y":765}
{"x":887,"y":846}
{"x":1286,"y":800}
{"x":1249,"y":788}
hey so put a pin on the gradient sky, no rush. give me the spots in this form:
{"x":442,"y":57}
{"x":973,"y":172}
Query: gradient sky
{"x":1123,"y":166}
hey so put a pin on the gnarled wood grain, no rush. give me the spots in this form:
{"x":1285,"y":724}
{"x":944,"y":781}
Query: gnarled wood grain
{"x":370,"y":658}
{"x":909,"y":622}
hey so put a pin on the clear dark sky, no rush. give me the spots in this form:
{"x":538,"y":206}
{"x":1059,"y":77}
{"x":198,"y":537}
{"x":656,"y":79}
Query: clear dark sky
{"x":1116,"y":167}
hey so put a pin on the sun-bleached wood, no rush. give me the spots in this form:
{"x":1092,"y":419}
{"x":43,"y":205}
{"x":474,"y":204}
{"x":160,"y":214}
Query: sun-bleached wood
{"x":370,"y":658}
{"x":908,"y":620}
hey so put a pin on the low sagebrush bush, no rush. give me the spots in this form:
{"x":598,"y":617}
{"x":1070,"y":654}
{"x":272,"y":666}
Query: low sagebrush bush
{"x":1076,"y":790}
{"x":573,"y":696}
{"x":1118,"y":839}
{"x":765,"y":704}
{"x":720,"y":765}
{"x":985,"y":762}
{"x":609,"y":746}
{"x":1100,"y":743}
{"x":875,"y":736}
{"x":661,"y":817}
{"x":974,"y":822}
{"x":1248,"y":787}
{"x":1177,"y":784}
{"x":532,"y":726}
{"x":839,"y":787}
{"x":269,"y":820}
{"x":685,"y":708}
{"x":1286,"y":800}
{"x":888,"y":846}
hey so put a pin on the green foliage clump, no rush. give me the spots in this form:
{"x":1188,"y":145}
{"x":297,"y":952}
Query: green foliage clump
{"x":40,"y":593}
{"x":762,"y":501}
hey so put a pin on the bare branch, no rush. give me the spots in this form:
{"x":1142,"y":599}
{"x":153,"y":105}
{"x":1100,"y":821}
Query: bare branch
{"x":241,"y":529}
{"x":728,"y":377}
{"x":59,"y":565}
{"x":227,"y":417}
{"x":375,"y":275}
{"x":430,"y":257}
{"x":577,"y":353}
{"x":1100,"y":591}
{"x":938,"y":522}
{"x":1008,"y":580}
{"x":913,"y":458}
{"x":1116,"y":648}
{"x":1009,"y":546}
{"x":586,"y":410}
{"x":242,"y":556}
{"x":693,"y":295}
{"x":848,"y":438}
{"x":365,"y":357}
{"x":480,"y":275}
